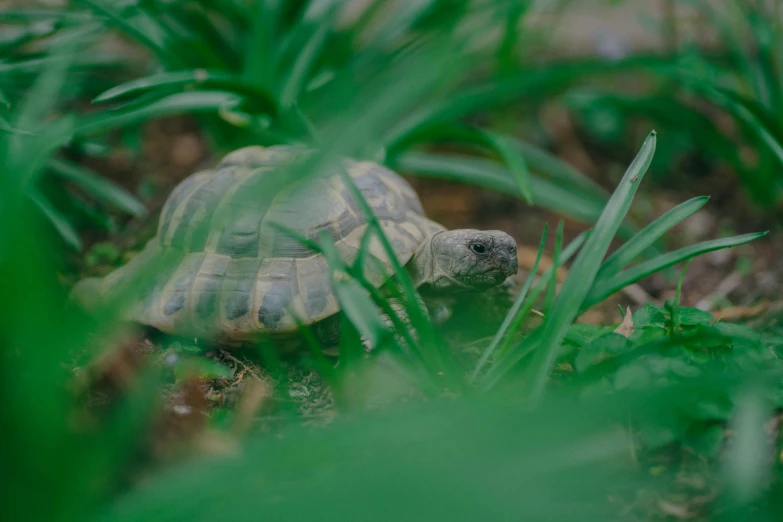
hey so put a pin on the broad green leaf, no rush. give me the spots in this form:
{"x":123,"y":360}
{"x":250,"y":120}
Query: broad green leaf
{"x":649,"y":315}
{"x":605,"y":346}
{"x":693,"y":317}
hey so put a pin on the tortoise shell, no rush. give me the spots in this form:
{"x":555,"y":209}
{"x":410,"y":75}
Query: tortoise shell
{"x":229,"y":268}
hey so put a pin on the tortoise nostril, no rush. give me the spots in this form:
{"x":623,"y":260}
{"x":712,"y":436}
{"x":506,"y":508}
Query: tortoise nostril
{"x":512,"y":263}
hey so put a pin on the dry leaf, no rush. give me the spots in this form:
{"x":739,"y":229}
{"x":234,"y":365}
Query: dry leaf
{"x":675,"y":510}
{"x":738,"y":312}
{"x":256,"y":393}
{"x":526,"y":257}
{"x":626,"y":328}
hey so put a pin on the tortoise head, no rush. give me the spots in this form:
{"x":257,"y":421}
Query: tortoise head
{"x":465,"y":260}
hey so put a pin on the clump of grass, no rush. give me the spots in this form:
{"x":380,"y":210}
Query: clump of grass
{"x":737,"y":76}
{"x":68,"y":195}
{"x":305,"y":72}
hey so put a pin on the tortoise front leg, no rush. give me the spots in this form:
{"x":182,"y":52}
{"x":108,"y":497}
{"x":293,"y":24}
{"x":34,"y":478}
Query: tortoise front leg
{"x":327,"y":331}
{"x":398,"y":306}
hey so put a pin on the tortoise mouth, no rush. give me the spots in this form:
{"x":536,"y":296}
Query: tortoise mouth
{"x":487,"y":279}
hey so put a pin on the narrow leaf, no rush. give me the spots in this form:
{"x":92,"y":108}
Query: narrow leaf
{"x":512,"y":313}
{"x":585,"y":267}
{"x":515,"y":162}
{"x":560,"y":198}
{"x":646,"y":237}
{"x":208,"y":80}
{"x":129,"y":25}
{"x":58,"y":221}
{"x":305,"y":60}
{"x":180,"y":103}
{"x":100,"y":188}
{"x":607,"y":287}
{"x":509,"y":358}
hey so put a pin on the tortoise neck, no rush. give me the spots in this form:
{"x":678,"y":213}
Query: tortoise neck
{"x":421,"y":267}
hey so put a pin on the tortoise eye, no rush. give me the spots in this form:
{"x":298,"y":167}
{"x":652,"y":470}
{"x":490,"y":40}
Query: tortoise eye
{"x":478,"y":248}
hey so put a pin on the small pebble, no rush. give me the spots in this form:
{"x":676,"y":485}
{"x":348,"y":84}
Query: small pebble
{"x":298,"y":391}
{"x":182,"y":409}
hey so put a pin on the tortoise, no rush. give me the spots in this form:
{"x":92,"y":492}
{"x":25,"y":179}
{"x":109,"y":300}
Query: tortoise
{"x":233,"y":277}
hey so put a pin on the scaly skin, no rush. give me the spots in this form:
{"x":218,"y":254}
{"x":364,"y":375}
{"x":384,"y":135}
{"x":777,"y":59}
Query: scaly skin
{"x":464,"y":260}
{"x":457,"y":261}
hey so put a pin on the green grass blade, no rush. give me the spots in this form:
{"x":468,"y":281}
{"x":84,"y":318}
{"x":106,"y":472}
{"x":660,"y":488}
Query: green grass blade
{"x":58,"y":220}
{"x":260,"y":66}
{"x":32,"y":15}
{"x":646,"y":237}
{"x":675,"y":320}
{"x":607,"y":286}
{"x":354,"y":300}
{"x":516,"y":164}
{"x":175,"y":104}
{"x":100,"y":188}
{"x":553,"y":167}
{"x":305,"y":61}
{"x":129,"y":25}
{"x":722,"y":18}
{"x":537,"y":160}
{"x":24,"y":154}
{"x":744,"y":113}
{"x":553,"y":195}
{"x":580,"y":278}
{"x":512,"y":313}
{"x":196,"y":33}
{"x":552,"y":286}
{"x":530,"y":84}
{"x":187,"y":80}
{"x":509,"y":358}
{"x":506,"y":54}
{"x":395,"y":23}
{"x":7,"y":127}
